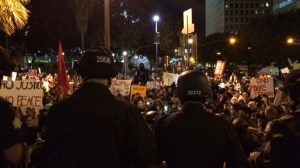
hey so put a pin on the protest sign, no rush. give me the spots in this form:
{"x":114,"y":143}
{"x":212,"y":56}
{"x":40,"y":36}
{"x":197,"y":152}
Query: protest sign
{"x":220,"y":68}
{"x":285,"y":70}
{"x":27,"y":93}
{"x":151,"y":85}
{"x":169,"y":78}
{"x":120,"y":87}
{"x":136,"y":89}
{"x":14,"y":76}
{"x":261,"y":86}
{"x":32,"y":73}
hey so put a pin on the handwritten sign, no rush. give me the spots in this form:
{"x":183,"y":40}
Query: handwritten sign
{"x":120,"y":87}
{"x":23,"y":93}
{"x":169,"y":78}
{"x":138,"y":89}
{"x":261,"y":86}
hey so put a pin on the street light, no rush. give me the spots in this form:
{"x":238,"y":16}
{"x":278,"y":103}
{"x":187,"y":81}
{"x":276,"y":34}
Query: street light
{"x":156,"y":19}
{"x":135,"y":59}
{"x":290,"y":40}
{"x":125,"y":63}
{"x":232,"y":40}
{"x":293,"y":41}
{"x":190,"y":41}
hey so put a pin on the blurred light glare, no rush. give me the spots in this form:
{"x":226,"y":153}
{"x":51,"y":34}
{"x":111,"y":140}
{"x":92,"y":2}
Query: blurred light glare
{"x":290,"y":40}
{"x":156,"y":18}
{"x":232,"y":40}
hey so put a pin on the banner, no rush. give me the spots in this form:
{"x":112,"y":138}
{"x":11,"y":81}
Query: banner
{"x":62,"y":79}
{"x":260,"y":87}
{"x":28,"y":93}
{"x":138,"y":89}
{"x":169,"y":78}
{"x":120,"y":87}
{"x":220,"y":68}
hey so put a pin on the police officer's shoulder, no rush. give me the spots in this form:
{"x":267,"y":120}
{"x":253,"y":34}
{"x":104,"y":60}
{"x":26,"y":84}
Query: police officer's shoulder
{"x":167,"y":119}
{"x":124,"y":104}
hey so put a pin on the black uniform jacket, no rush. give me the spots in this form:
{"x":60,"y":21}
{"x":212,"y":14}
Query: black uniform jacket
{"x":93,"y":129}
{"x":195,"y":138}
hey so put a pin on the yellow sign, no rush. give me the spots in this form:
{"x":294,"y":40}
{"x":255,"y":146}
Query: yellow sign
{"x":136,"y":89}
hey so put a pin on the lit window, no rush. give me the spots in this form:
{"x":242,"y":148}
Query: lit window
{"x":267,"y":4}
{"x":226,"y":6}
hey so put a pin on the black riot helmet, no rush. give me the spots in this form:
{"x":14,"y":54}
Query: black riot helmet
{"x":291,"y":85}
{"x":193,"y":86}
{"x":97,"y":63}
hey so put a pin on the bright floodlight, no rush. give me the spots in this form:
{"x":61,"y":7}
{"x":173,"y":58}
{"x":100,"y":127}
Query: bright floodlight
{"x":290,"y":40}
{"x":232,"y":40}
{"x":156,"y":18}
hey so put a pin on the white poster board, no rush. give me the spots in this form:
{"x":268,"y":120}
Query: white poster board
{"x":27,"y":93}
{"x":120,"y":87}
{"x":169,"y":78}
{"x":259,"y":87}
{"x":151,"y":85}
{"x":285,"y":70}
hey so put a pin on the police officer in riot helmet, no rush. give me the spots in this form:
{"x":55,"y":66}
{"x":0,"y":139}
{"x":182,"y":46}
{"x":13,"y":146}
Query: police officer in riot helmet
{"x":193,"y":137}
{"x":93,"y":128}
{"x":283,"y":148}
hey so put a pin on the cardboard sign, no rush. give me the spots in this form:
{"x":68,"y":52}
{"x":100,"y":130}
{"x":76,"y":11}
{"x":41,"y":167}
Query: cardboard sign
{"x":120,"y":87}
{"x":259,"y":87}
{"x":27,"y":93}
{"x":138,"y":89}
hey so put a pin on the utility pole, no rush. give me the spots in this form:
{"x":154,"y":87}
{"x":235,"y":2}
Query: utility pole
{"x":106,"y":25}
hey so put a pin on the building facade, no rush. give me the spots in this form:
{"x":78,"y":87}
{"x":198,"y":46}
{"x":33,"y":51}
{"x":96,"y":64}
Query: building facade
{"x":283,"y":6}
{"x":229,"y":15}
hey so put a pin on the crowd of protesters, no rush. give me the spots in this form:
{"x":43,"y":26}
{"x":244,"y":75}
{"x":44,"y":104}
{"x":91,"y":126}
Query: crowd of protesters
{"x":252,"y":118}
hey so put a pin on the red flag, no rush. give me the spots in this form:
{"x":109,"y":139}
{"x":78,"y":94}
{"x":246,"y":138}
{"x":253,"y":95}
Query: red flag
{"x":62,"y":79}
